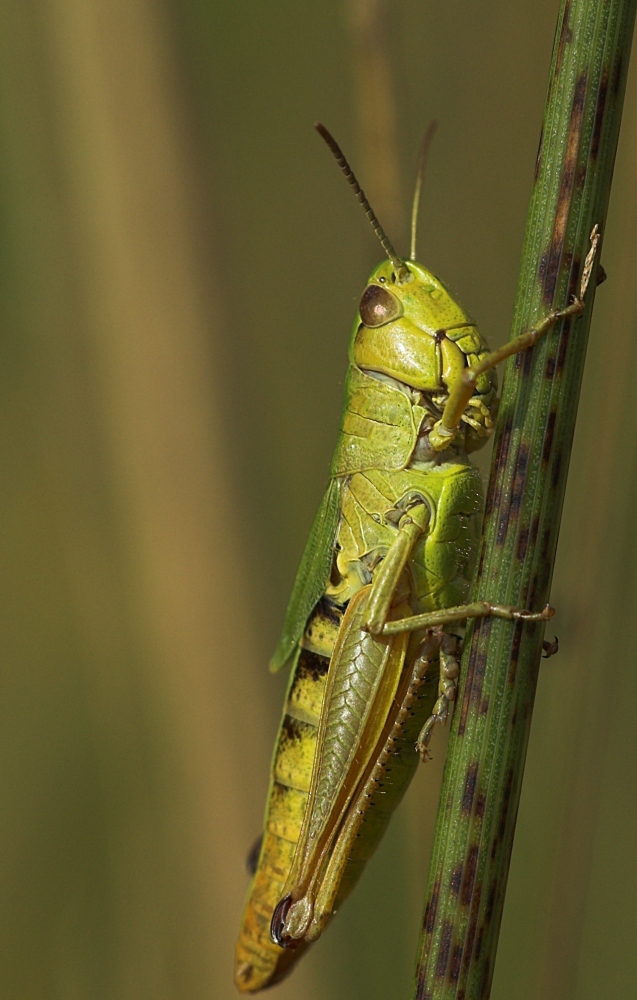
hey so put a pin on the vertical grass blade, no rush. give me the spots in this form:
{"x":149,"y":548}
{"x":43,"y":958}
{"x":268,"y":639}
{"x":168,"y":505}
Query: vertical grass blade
{"x":487,"y":749}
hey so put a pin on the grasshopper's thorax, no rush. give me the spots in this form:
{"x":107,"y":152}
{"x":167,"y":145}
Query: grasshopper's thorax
{"x":413,"y":331}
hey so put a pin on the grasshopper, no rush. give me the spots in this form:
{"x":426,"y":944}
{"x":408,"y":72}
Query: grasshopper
{"x":370,"y":629}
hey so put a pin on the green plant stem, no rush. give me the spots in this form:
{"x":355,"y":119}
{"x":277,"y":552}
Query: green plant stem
{"x":487,"y":749}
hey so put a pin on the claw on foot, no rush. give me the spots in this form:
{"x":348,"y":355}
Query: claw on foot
{"x":422,"y":743}
{"x":550,"y":648}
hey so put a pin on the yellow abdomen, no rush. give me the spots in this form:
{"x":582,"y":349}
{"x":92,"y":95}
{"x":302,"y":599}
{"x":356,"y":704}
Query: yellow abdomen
{"x":260,"y":962}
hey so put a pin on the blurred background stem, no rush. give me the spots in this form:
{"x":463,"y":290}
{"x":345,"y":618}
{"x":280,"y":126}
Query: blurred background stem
{"x":116,"y":514}
{"x":371,"y":29}
{"x":487,"y":747}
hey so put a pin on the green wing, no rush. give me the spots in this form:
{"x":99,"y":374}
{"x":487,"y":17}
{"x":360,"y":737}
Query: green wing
{"x":313,"y":574}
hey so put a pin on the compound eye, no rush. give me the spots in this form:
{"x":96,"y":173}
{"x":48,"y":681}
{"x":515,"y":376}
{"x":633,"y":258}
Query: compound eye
{"x":378,"y":306}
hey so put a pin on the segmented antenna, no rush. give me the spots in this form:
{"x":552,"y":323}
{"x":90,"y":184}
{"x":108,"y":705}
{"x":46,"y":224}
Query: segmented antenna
{"x":402,"y":271}
{"x":422,"y":159}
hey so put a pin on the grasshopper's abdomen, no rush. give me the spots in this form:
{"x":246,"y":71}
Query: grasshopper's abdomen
{"x":439,"y":577}
{"x":260,"y":962}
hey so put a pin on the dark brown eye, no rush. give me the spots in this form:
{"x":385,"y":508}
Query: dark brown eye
{"x":378,"y":306}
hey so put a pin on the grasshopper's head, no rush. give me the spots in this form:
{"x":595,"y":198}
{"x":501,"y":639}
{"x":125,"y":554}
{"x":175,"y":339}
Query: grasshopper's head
{"x":420,"y":298}
{"x":406,"y":329}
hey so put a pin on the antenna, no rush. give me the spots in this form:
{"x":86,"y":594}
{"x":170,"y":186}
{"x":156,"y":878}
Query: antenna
{"x":422,"y":160}
{"x":402,"y":271}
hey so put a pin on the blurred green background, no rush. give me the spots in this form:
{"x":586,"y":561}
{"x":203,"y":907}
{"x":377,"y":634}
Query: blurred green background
{"x":180,"y":263}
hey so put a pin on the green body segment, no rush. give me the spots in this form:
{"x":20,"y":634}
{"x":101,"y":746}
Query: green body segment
{"x":400,"y":374}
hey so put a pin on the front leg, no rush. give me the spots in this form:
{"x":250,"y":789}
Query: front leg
{"x":445,"y":429}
